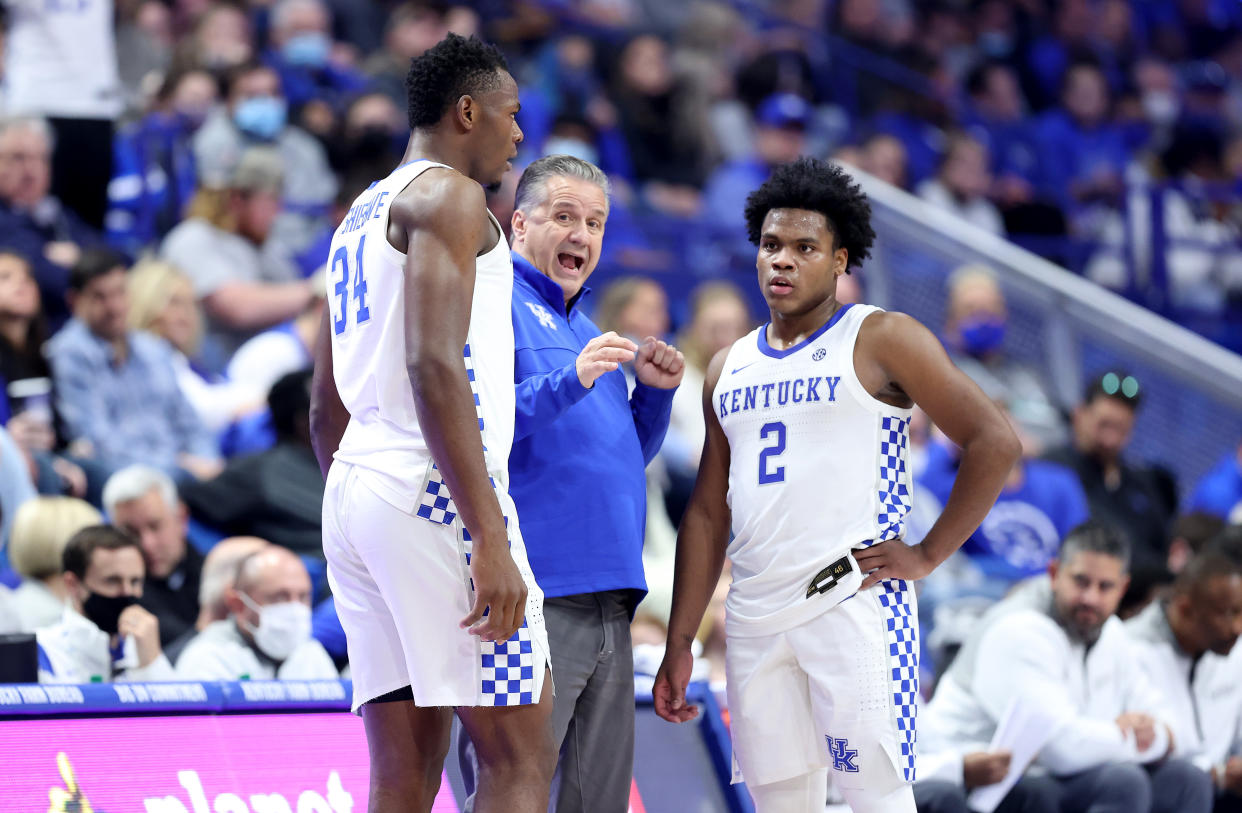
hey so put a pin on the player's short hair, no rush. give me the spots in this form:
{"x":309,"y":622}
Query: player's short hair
{"x":817,"y":186}
{"x":532,"y":188}
{"x":453,"y":67}
{"x":81,"y":547}
{"x":1094,"y":536}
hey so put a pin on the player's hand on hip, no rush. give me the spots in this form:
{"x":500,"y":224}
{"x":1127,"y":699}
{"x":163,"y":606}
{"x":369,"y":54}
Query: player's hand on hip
{"x":499,"y":591}
{"x":659,"y":364}
{"x":603,"y":354}
{"x":893,"y":559}
{"x":669,"y":691}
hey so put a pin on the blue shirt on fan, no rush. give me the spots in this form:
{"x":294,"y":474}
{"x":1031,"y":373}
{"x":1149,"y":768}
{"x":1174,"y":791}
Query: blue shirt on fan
{"x":576,"y":470}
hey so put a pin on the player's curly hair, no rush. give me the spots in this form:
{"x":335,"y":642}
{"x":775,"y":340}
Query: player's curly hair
{"x":453,"y":67}
{"x":818,"y":186}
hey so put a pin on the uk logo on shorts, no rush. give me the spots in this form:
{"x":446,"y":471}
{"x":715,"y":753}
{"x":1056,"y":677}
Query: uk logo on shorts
{"x":843,"y":757}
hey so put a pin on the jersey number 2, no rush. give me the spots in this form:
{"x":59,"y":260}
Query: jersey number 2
{"x":340,"y":267}
{"x":777,"y":475}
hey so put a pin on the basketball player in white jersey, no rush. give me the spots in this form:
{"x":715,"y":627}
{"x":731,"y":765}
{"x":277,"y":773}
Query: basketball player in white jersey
{"x":806,"y":452}
{"x":412,"y":419}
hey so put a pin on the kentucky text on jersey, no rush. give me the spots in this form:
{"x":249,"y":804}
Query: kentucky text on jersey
{"x":361,"y":211}
{"x":779,"y":393}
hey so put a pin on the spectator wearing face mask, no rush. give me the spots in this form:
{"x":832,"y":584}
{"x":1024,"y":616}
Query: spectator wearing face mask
{"x":303,"y":53}
{"x":255,"y":113}
{"x":153,"y":175}
{"x":976,"y":319}
{"x":104,"y":635}
{"x":267,"y":635}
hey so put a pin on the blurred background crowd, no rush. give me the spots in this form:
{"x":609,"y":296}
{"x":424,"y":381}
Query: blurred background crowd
{"x":171,"y":172}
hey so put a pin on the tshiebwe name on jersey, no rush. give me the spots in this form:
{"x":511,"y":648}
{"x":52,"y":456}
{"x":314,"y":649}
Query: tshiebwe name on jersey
{"x":362,"y":210}
{"x":816,"y":388}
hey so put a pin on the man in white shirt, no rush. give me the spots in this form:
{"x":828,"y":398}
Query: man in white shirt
{"x":267,"y":635}
{"x":1187,"y":646}
{"x":104,"y":635}
{"x":1057,"y":647}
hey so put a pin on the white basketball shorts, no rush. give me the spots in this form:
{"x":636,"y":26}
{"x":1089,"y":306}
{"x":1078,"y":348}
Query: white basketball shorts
{"x":837,"y":691}
{"x":401,"y":582}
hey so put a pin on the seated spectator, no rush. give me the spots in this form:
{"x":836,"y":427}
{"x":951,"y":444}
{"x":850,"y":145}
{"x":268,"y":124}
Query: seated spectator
{"x":371,"y":138}
{"x":411,"y":29}
{"x":15,"y":489}
{"x":1187,"y":645}
{"x":221,"y":249}
{"x":41,"y":529}
{"x":221,"y":39}
{"x":142,"y":501}
{"x":303,"y":53}
{"x":255,"y":114}
{"x":1038,"y":506}
{"x":284,"y":349}
{"x":1055,"y":646}
{"x":26,"y":397}
{"x":719,"y":316}
{"x":962,"y":183}
{"x":215,"y":580}
{"x":23,"y":332}
{"x":267,"y":635}
{"x":104,"y":634}
{"x":276,"y":494}
{"x":153,"y":172}
{"x":780,"y":137}
{"x":1082,"y":155}
{"x":664,"y":126}
{"x":116,"y":389}
{"x":162,"y":301}
{"x":997,"y":117}
{"x":1220,"y":491}
{"x":976,"y":318}
{"x":884,"y":156}
{"x":1118,"y":492}
{"x":34,"y":222}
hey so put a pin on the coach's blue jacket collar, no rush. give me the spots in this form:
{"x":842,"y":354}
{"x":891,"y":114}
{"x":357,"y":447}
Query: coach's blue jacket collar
{"x":548,"y":289}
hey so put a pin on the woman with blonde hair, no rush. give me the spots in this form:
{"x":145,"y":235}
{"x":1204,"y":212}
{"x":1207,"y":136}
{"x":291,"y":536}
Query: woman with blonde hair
{"x":41,"y":528}
{"x":162,"y":301}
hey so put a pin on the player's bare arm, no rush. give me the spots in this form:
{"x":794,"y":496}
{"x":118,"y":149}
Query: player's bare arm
{"x":445,"y":227}
{"x":702,"y":541}
{"x":328,"y":416}
{"x":900,"y":362}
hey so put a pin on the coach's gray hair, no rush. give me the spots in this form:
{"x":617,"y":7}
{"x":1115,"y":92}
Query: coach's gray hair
{"x":532,"y":188}
{"x":36,"y":123}
{"x":135,"y":482}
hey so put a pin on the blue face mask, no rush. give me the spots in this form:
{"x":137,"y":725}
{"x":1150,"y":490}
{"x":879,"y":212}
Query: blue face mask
{"x":571,"y":146}
{"x":982,"y":334}
{"x":309,"y":50}
{"x":261,"y":116}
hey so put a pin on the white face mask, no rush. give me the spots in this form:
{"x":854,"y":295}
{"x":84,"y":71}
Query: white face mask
{"x":282,"y":627}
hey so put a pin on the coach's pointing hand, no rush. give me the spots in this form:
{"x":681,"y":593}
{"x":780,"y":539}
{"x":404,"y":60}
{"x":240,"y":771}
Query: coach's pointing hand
{"x":603,"y":354}
{"x":498,"y":589}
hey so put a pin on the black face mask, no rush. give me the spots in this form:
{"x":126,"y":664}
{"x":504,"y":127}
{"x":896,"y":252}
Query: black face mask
{"x":105,"y":611}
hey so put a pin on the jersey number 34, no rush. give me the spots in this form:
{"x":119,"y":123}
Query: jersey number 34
{"x":341,"y":273}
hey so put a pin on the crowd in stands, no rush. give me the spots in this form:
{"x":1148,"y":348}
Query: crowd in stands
{"x":171,"y":172}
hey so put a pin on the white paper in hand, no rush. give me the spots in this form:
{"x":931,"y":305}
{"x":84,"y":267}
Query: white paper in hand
{"x":1024,"y":728}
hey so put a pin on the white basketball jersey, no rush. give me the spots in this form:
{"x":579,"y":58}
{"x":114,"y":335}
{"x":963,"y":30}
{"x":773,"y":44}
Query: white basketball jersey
{"x":61,"y":59}
{"x":817,"y":468}
{"x":366,"y":300}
